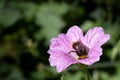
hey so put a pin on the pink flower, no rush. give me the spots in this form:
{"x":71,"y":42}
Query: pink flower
{"x":74,"y":47}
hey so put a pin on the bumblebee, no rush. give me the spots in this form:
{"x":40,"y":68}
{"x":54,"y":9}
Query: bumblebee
{"x":80,"y":50}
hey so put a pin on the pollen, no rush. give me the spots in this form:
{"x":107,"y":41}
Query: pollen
{"x":82,"y":57}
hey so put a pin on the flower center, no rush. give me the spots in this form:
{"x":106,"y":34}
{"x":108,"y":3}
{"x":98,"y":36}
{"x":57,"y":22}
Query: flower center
{"x":80,"y":50}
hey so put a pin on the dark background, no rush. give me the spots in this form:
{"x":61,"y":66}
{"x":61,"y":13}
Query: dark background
{"x":26,"y":27}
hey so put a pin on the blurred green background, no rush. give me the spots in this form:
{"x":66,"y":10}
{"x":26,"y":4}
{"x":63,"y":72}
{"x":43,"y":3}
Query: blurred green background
{"x":26,"y":27}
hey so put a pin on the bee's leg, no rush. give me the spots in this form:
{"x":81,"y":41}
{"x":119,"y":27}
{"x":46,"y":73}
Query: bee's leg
{"x":71,"y":51}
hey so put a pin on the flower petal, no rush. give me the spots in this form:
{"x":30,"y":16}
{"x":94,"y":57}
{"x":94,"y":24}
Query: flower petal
{"x":95,"y":37}
{"x":89,"y":61}
{"x":61,"y":61}
{"x":59,"y":49}
{"x":75,"y":34}
{"x":62,"y":42}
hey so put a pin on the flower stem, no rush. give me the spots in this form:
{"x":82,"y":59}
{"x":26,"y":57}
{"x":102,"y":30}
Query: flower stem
{"x":88,"y":75}
{"x":83,"y":67}
{"x":62,"y":77}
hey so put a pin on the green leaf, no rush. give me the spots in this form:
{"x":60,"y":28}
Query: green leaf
{"x":38,"y":75}
{"x":54,"y":8}
{"x":49,"y":17}
{"x":115,"y":50}
{"x":98,"y":14}
{"x":116,"y":76}
{"x":8,"y":16}
{"x":104,"y":76}
{"x":87,"y":25}
{"x":2,"y":2}
{"x":95,"y":75}
{"x":28,"y":8}
{"x":11,"y":72}
{"x":15,"y":74}
{"x":75,"y":76}
{"x":113,"y":30}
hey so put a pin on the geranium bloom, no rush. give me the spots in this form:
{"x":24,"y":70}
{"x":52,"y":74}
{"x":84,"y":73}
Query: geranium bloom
{"x":74,"y":47}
